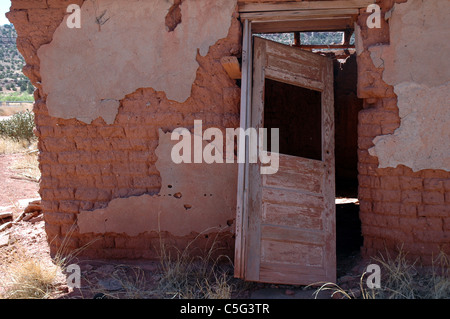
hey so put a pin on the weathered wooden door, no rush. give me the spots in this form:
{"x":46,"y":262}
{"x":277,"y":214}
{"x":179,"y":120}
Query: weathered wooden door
{"x":289,"y":234}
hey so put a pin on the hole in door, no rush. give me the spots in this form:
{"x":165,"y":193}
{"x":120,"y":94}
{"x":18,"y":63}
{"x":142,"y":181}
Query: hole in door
{"x":296,"y":111}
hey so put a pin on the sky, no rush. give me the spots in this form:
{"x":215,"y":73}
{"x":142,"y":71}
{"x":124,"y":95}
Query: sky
{"x":4,"y":7}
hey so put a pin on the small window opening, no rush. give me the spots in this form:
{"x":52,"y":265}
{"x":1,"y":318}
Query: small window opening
{"x":341,"y":44}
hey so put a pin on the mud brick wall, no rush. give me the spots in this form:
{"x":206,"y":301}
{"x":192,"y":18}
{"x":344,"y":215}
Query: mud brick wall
{"x":399,"y":208}
{"x":85,"y":166}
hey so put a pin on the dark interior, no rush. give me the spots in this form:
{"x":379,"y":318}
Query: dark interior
{"x":296,"y":111}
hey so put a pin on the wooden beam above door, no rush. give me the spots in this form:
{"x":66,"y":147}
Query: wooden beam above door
{"x":322,"y":24}
{"x":297,"y":14}
{"x":291,"y":16}
{"x":265,"y":6}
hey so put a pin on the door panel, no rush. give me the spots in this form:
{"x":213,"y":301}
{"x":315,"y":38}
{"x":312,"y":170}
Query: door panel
{"x":290,"y":236}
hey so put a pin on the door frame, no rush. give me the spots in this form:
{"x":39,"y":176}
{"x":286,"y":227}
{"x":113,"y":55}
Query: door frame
{"x":260,"y":18}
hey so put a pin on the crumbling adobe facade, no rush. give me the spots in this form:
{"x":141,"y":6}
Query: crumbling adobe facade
{"x":91,"y":163}
{"x":86,"y":166}
{"x":401,"y":207}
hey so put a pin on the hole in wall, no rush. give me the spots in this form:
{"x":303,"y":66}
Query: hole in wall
{"x":177,"y":195}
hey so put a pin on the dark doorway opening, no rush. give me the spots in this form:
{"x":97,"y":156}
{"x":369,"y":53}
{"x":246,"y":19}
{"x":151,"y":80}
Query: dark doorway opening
{"x":347,"y":106}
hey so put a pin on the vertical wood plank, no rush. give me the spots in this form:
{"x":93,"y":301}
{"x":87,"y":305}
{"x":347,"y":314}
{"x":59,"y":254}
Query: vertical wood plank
{"x":255,"y":181}
{"x":329,"y":213}
{"x":239,"y":251}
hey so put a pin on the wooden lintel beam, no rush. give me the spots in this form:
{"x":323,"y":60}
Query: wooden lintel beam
{"x":337,"y":24}
{"x":324,"y":46}
{"x":245,"y":6}
{"x":299,"y":14}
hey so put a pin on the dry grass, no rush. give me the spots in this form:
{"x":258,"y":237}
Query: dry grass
{"x":27,"y":167}
{"x":189,"y":275}
{"x":401,"y":279}
{"x":26,"y":277}
{"x":185,"y":274}
{"x":180,"y":275}
{"x":406,"y":280}
{"x":9,"y":146}
{"x":11,"y":110}
{"x":130,"y":283}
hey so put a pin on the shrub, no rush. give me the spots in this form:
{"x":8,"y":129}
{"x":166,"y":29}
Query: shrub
{"x":18,"y":127}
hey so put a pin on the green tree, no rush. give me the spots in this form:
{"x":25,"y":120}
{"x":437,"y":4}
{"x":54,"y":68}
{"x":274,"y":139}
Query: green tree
{"x":30,"y":88}
{"x":23,"y":86}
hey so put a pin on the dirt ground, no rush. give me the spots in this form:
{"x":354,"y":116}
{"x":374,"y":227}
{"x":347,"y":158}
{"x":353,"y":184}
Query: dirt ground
{"x":13,"y":186}
{"x":116,"y":279}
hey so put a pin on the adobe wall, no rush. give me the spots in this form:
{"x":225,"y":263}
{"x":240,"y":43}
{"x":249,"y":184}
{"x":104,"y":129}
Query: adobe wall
{"x":92,"y":154}
{"x":403,"y":131}
{"x":95,"y":164}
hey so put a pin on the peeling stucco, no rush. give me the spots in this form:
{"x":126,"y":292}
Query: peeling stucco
{"x":87,"y":71}
{"x":193,"y":198}
{"x":416,"y":65}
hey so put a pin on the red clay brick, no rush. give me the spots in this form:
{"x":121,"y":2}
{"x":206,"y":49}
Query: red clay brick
{"x":446,"y":223}
{"x":432,"y":173}
{"x":389,"y":128}
{"x":52,"y":229}
{"x":390,"y":182}
{"x":389,"y":171}
{"x":59,"y":218}
{"x":411,"y":197}
{"x":430,"y":236}
{"x":369,"y":130}
{"x":386,"y":208}
{"x":28,"y":4}
{"x":364,"y":193}
{"x":433,"y":184}
{"x":382,"y":195}
{"x":368,"y":181}
{"x":408,"y":210}
{"x":434,"y":210}
{"x":69,"y":206}
{"x":365,"y":206}
{"x":365,"y":157}
{"x":411,"y":183}
{"x":425,"y":224}
{"x":364,"y":143}
{"x":433,"y":198}
{"x":390,"y":104}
